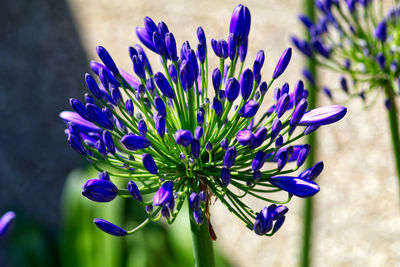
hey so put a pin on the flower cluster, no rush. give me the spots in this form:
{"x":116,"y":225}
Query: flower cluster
{"x":160,"y":135}
{"x":356,"y":38}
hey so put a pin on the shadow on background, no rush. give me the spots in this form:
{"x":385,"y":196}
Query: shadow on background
{"x":42,"y":65}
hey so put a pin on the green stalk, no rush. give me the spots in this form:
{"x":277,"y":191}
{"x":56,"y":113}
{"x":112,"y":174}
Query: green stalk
{"x":203,"y":252}
{"x":394,"y":126}
{"x":311,"y":140}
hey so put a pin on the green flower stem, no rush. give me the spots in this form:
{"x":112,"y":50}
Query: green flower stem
{"x":305,"y":257}
{"x":394,"y":126}
{"x":203,"y":252}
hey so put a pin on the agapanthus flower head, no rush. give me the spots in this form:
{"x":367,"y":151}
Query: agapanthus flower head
{"x":161,"y":134}
{"x":355,"y":38}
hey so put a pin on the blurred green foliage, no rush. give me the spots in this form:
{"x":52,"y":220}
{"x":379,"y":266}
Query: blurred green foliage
{"x":79,"y":243}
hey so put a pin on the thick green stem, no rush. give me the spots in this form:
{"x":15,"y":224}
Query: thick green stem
{"x":311,"y":140}
{"x":394,"y":127}
{"x":203,"y":252}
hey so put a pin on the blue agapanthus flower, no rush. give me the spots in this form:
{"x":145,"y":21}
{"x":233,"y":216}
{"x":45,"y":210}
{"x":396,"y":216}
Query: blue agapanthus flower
{"x":6,"y":223}
{"x":356,"y":38}
{"x":169,"y":137}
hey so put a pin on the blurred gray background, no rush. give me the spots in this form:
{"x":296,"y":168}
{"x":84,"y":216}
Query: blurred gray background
{"x":45,"y":48}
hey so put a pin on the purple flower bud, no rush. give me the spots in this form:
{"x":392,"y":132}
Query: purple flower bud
{"x":282,"y":63}
{"x":201,"y":36}
{"x":134,"y":191}
{"x":343,"y":84}
{"x":138,"y":67}
{"x":381,"y":31}
{"x":95,"y":66}
{"x":76,"y":144}
{"x":160,"y":106}
{"x":246,"y":83}
{"x":171,"y":205}
{"x":259,"y":137}
{"x":195,"y":148}
{"x":160,"y":125}
{"x":182,"y":157}
{"x":99,"y":190}
{"x":277,"y":94}
{"x":165,"y":212}
{"x":171,"y":46}
{"x":109,"y":228}
{"x":6,"y":223}
{"x":225,"y":176}
{"x":282,"y":104}
{"x":191,"y":57}
{"x":200,"y":116}
{"x":303,"y":46}
{"x":101,"y":148}
{"x":93,"y":87}
{"x":223,"y":48}
{"x":263,"y":222}
{"x":232,"y":89}
{"x":217,"y":106}
{"x":198,"y":216}
{"x":116,"y":95}
{"x":108,"y":142}
{"x":203,"y":196}
{"x":142,"y":127}
{"x":306,"y":21}
{"x":282,"y":158}
{"x":201,"y":53}
{"x":278,"y":142}
{"x":380,"y":58}
{"x":216,"y":47}
{"x":285,"y":89}
{"x":240,"y":23}
{"x":298,"y":112}
{"x":327,"y":92}
{"x":230,"y":157}
{"x":302,"y":156}
{"x":198,"y":132}
{"x":245,"y":137}
{"x":276,"y":128}
{"x":149,"y":209}
{"x":103,"y":76}
{"x":316,"y":170}
{"x":323,"y":115}
{"x":256,"y":69}
{"x":106,"y":58}
{"x":194,"y":201}
{"x":209,"y":147}
{"x":183,"y":137}
{"x":309,"y":76}
{"x":258,"y":160}
{"x":249,"y":109}
{"x":89,"y":99}
{"x":104,"y":175}
{"x":321,"y":49}
{"x":164,"y":85}
{"x":278,"y":224}
{"x":298,"y":91}
{"x":279,"y":212}
{"x":149,"y":163}
{"x":231,"y":46}
{"x":263,"y":88}
{"x":310,"y":129}
{"x":145,"y":38}
{"x":144,"y":59}
{"x":243,"y":51}
{"x":135,"y":142}
{"x":132,"y":52}
{"x":187,"y":74}
{"x":296,"y":186}
{"x":164,"y":194}
{"x":172,"y":73}
{"x":129,"y":107}
{"x":224,"y":144}
{"x":185,"y":47}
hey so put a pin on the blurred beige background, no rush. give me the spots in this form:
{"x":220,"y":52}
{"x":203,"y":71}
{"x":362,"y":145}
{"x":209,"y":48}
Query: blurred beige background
{"x":357,"y":210}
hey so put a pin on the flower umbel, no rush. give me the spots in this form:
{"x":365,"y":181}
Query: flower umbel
{"x":162,"y":135}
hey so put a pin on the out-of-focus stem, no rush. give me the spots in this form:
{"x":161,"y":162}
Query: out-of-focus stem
{"x":311,"y":140}
{"x":394,"y":127}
